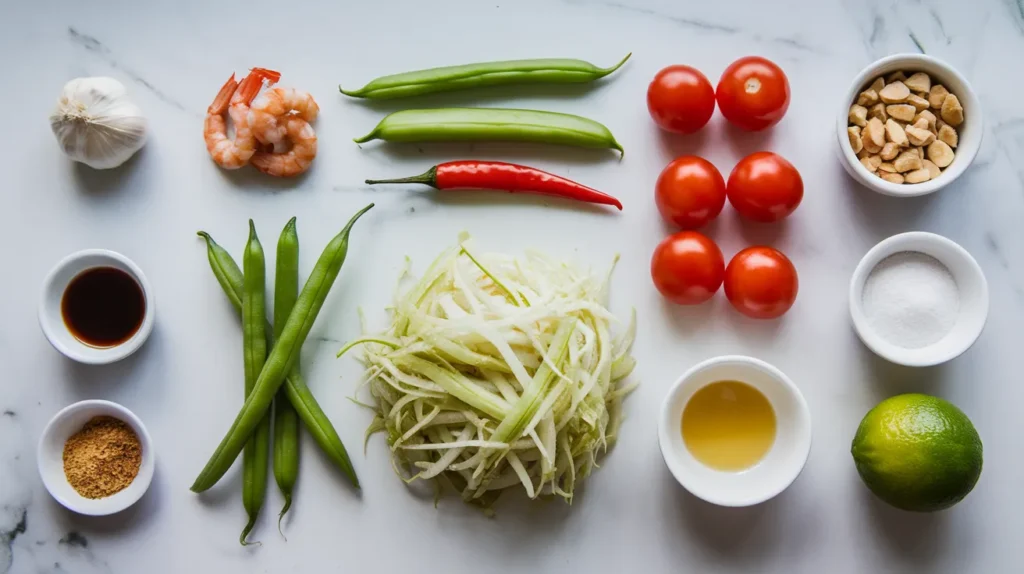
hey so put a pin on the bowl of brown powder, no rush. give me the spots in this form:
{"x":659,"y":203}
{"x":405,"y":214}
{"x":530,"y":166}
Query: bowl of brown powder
{"x":95,"y":457}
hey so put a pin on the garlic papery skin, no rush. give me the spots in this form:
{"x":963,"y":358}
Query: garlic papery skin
{"x":96,"y":124}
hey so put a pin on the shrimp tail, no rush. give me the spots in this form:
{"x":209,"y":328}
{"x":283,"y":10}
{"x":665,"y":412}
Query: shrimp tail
{"x":250,"y":85}
{"x":220,"y":103}
{"x":270,"y":75}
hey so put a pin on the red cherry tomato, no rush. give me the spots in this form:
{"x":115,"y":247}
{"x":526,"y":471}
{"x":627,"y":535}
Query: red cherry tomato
{"x":680,"y":99}
{"x":690,"y":192}
{"x":765,"y":187}
{"x":687,"y":268}
{"x":761,"y":282}
{"x":753,"y":93}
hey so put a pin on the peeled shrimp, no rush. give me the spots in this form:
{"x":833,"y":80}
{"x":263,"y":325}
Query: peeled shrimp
{"x":234,"y":99}
{"x":269,"y":112}
{"x":298,"y":158}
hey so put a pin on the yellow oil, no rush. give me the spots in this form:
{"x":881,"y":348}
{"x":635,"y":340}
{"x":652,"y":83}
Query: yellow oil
{"x":728,"y":425}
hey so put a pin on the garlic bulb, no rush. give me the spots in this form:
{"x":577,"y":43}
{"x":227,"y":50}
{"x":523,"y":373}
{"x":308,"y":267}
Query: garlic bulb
{"x":96,"y":124}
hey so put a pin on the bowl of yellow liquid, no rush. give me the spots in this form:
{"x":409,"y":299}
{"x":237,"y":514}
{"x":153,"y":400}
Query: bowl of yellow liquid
{"x":735,"y":431}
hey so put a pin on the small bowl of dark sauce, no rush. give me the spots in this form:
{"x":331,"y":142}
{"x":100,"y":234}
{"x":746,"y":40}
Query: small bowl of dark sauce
{"x":96,"y":307}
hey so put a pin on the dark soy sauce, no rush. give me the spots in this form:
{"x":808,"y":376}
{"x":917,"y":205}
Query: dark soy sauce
{"x":103,"y":306}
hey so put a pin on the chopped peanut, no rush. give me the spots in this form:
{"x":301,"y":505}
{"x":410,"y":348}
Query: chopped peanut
{"x":878,"y":111}
{"x":907,"y":161}
{"x":890,"y":151}
{"x":876,"y":132}
{"x":928,"y":117}
{"x":869,"y":145}
{"x":937,"y":95}
{"x":867,"y":98}
{"x":895,"y":77}
{"x":948,"y":135}
{"x":919,"y":82}
{"x":898,"y":121}
{"x":918,"y":176}
{"x":871,"y":163}
{"x":952,"y":112}
{"x":902,"y":112}
{"x":855,"y":143}
{"x":894,"y":93}
{"x":895,"y":133}
{"x":940,"y":153}
{"x":919,"y":136}
{"x":858,"y":115}
{"x":918,"y":102}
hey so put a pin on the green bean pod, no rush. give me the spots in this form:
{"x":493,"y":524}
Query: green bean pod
{"x":286,"y":422}
{"x":313,"y":417}
{"x":254,"y":341}
{"x":282,"y":358}
{"x":492,"y":124}
{"x":451,"y":78}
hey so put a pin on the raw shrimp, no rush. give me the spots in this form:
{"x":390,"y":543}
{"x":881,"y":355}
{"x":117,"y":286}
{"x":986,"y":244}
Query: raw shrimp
{"x":234,"y":98}
{"x":297,"y":159}
{"x":267,"y":114}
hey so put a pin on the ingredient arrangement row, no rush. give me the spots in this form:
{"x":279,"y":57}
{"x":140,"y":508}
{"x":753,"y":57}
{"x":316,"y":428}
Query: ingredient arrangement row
{"x":501,"y":373}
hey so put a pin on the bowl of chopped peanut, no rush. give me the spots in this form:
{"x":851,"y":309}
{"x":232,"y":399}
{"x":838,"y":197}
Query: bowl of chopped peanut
{"x":910,"y":125}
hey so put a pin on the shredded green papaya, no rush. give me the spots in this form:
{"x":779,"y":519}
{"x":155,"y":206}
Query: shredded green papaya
{"x":499,"y":372}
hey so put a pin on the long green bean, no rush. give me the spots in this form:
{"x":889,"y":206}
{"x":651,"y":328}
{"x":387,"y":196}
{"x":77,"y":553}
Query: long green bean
{"x":492,"y":124}
{"x":283,"y":356}
{"x":286,"y":422}
{"x":449,"y":78}
{"x":254,"y":341}
{"x":313,"y":417}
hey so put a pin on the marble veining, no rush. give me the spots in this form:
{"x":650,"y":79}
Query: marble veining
{"x":699,"y":25}
{"x":185,"y":383}
{"x":95,"y":46}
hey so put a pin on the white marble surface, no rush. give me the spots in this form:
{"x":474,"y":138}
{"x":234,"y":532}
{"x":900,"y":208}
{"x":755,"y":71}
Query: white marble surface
{"x":186,"y":382}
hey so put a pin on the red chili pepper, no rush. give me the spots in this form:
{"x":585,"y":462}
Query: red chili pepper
{"x":472,"y":174}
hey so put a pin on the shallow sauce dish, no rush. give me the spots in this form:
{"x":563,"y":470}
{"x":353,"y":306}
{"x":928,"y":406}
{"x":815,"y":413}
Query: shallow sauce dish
{"x":779,"y":467}
{"x":970,"y":132}
{"x":50,"y":457}
{"x":971,"y":284}
{"x":51,"y":318}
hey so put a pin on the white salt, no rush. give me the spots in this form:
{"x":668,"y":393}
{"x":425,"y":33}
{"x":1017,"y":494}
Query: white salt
{"x":911,"y":300}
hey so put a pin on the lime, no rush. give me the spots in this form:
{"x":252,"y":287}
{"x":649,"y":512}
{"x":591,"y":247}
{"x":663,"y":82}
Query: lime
{"x":918,"y":452}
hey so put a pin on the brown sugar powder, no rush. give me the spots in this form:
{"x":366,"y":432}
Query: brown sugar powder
{"x":103,"y":458}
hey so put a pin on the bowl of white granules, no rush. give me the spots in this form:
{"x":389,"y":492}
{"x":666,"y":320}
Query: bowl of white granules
{"x":918,"y":299}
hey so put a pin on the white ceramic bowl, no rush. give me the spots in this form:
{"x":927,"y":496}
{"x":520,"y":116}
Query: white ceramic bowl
{"x":970,"y":281}
{"x":50,"y":458}
{"x":779,"y":467}
{"x":969,"y":132}
{"x":52,"y":322}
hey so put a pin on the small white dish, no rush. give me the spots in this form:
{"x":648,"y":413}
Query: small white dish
{"x":970,"y":281}
{"x":50,"y":458}
{"x":780,"y":465}
{"x":52,"y":322}
{"x":970,"y":132}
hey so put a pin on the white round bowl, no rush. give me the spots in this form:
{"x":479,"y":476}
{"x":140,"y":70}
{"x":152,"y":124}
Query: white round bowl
{"x":780,"y":465}
{"x":970,"y":132}
{"x":970,"y":281}
{"x":52,"y":322}
{"x":50,"y":458}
